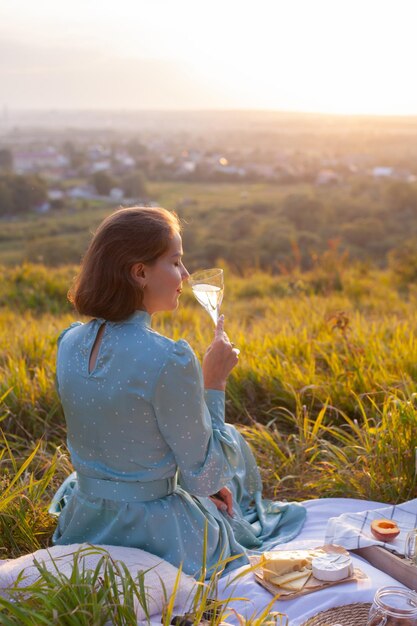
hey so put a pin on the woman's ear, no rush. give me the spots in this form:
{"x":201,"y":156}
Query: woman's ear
{"x":138,"y":274}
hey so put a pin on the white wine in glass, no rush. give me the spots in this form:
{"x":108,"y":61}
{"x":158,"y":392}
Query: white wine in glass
{"x":207,"y":286}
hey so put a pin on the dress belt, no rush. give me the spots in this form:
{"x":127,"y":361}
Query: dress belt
{"x":124,"y":491}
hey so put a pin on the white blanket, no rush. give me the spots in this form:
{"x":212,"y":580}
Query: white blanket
{"x":313,"y":534}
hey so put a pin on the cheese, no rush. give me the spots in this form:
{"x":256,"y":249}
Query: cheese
{"x":275,"y":564}
{"x":297,"y":585}
{"x":332,"y":567}
{"x":288,"y":578}
{"x":293,"y":581}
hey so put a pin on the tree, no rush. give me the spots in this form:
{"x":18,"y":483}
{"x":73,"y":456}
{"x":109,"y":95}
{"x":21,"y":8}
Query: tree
{"x":363,"y":232}
{"x":403,"y":262}
{"x":6,"y":160}
{"x":103,"y":183}
{"x":137,"y":149}
{"x":304,"y":211}
{"x":6,"y":199}
{"x":134,"y":185}
{"x":402,"y":197}
{"x":27,"y":192}
{"x":76,"y":155}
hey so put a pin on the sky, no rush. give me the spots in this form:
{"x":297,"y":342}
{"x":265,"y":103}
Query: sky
{"x":331,"y":56}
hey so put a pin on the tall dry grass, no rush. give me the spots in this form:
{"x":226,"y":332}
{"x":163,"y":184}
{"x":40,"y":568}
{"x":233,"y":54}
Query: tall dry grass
{"x":323,"y":391}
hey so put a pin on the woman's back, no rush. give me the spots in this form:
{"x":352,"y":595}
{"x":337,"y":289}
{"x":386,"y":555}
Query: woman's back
{"x":112,"y":427}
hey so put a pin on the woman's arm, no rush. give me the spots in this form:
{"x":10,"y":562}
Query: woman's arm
{"x":219,"y":360}
{"x":205,"y":453}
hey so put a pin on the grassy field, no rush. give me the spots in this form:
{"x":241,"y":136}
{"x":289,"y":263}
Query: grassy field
{"x":29,"y":236}
{"x":324,"y":391}
{"x":234,"y":222}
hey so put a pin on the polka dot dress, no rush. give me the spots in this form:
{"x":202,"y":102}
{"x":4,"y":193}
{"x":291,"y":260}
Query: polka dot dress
{"x":149,"y":446}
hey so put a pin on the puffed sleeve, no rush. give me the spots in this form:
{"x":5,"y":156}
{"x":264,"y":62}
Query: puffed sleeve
{"x":59,"y":340}
{"x":64,"y":332}
{"x":206,"y":455}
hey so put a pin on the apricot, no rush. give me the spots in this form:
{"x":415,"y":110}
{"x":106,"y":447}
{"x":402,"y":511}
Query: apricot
{"x":384,"y":529}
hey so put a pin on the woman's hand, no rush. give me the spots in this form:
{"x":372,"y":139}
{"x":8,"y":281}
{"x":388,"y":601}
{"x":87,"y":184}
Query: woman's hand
{"x":223,"y":499}
{"x":219,"y":360}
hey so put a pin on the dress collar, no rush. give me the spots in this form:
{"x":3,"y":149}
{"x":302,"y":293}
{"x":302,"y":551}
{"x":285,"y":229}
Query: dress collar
{"x":139,"y":317}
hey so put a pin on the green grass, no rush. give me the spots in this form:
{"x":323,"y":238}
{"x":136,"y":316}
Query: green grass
{"x":109,"y":594}
{"x":41,"y":238}
{"x":202,"y":196}
{"x":61,"y":236}
{"x":247,"y":225}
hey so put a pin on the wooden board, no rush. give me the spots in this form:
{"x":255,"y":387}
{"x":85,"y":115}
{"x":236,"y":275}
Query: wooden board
{"x":312,"y":584}
{"x":398,"y":567}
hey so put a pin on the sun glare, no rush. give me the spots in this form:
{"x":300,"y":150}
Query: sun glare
{"x":345,"y":57}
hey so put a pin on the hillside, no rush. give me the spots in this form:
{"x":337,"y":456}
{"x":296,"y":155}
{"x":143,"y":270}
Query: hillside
{"x":273,"y":227}
{"x":324,"y":390}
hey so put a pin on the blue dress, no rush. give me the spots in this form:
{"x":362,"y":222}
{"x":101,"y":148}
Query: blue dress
{"x":149,"y":445}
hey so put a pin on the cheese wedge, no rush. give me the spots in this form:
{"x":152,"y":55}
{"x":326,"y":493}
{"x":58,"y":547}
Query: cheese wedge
{"x":285,"y":561}
{"x":288,"y":578}
{"x":297,"y":585}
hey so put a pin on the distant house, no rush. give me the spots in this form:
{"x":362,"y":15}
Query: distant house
{"x":262,"y":169}
{"x":189,"y":166}
{"x":43,"y":208}
{"x":395,"y":173}
{"x":116,"y":194}
{"x":230,"y":170}
{"x":81,"y":193}
{"x":55,"y":194}
{"x":98,"y":153}
{"x":28,"y":161}
{"x":100,"y":166}
{"x":186,"y":167}
{"x":382,"y":172}
{"x":125,"y":160}
{"x":193,"y":156}
{"x":327,"y":177}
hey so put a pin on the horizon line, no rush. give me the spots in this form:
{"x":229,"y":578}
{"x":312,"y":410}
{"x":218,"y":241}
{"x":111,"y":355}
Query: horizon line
{"x":295,"y":112}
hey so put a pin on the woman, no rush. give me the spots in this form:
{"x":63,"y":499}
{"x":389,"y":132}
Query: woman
{"x":146,"y":433}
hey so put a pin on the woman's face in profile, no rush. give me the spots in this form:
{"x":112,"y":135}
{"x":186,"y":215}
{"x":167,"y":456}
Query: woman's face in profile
{"x":163,"y":280}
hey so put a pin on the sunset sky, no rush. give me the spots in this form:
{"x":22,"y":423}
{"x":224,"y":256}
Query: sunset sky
{"x":338,"y":56}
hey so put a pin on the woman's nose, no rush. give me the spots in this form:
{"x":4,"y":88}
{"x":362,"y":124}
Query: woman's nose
{"x":185,"y":273}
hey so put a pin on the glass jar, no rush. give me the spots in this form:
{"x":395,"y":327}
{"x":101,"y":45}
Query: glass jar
{"x":393,"y":606}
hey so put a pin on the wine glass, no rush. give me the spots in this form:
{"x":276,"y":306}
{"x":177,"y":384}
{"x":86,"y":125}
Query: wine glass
{"x":207,"y":286}
{"x":410,"y":551}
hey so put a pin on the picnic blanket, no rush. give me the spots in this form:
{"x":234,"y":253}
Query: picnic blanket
{"x":312,"y":535}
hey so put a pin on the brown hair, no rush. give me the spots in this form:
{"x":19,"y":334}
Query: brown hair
{"x":105,"y":287}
